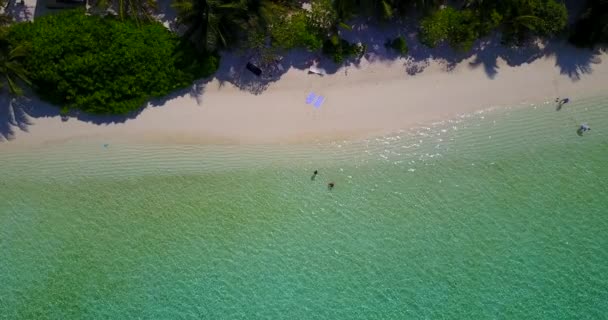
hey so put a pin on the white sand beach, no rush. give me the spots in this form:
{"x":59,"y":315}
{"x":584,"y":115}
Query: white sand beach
{"x":376,"y":97}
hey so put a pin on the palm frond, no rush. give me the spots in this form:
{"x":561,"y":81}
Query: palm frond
{"x":529,"y":21}
{"x":13,"y":87}
{"x":387,"y":10}
{"x":11,"y":68}
{"x":239,"y":5}
{"x":345,"y":26}
{"x":18,"y":52}
{"x":17,"y":69}
{"x":216,"y":30}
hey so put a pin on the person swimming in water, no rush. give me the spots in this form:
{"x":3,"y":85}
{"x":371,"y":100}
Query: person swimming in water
{"x":330,"y":185}
{"x":582,"y":129}
{"x":314,"y":175}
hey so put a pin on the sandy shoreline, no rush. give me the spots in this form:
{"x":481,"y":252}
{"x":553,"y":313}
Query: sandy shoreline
{"x":371,"y":99}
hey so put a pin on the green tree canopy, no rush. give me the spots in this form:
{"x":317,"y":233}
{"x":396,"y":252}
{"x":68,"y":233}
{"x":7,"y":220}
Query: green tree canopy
{"x":519,"y":19}
{"x":295,"y":31}
{"x":103,"y":65}
{"x":212,"y":24}
{"x":458,"y":27}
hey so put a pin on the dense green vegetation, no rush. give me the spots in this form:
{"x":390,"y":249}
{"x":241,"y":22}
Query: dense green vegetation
{"x":458,"y":28}
{"x":113,"y":64}
{"x":519,"y":19}
{"x":211,"y":24}
{"x":287,"y":25}
{"x":293,"y":31}
{"x":104,"y":64}
{"x":516,"y":19}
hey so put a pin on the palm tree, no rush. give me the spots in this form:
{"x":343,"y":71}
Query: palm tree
{"x":137,"y":9}
{"x":385,"y":9}
{"x":211,"y":24}
{"x":11,"y":68}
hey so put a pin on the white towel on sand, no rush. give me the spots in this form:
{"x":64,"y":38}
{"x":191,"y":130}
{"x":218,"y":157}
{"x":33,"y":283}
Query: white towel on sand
{"x":317,"y":70}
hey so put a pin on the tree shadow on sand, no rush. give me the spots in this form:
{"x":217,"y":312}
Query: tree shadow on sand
{"x":16,"y":113}
{"x":486,"y":53}
{"x":573,"y":62}
{"x":233,"y":68}
{"x":13,"y":116}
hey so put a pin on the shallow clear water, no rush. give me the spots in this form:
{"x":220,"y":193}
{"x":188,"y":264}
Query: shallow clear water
{"x":499,"y":214}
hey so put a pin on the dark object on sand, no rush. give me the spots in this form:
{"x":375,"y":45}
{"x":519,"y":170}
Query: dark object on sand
{"x":254,"y":69}
{"x":582,"y":129}
{"x":314,"y":175}
{"x":560,"y":103}
{"x":330,"y":185}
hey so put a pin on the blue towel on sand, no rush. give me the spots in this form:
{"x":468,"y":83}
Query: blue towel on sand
{"x":319,"y":101}
{"x":310,"y":98}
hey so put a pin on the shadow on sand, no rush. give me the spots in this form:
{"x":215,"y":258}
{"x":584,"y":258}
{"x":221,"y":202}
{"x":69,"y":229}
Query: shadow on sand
{"x":572,"y":62}
{"x":16,"y":112}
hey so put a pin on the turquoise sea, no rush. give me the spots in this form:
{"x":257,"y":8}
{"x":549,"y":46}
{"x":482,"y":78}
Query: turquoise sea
{"x":494,"y":215}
